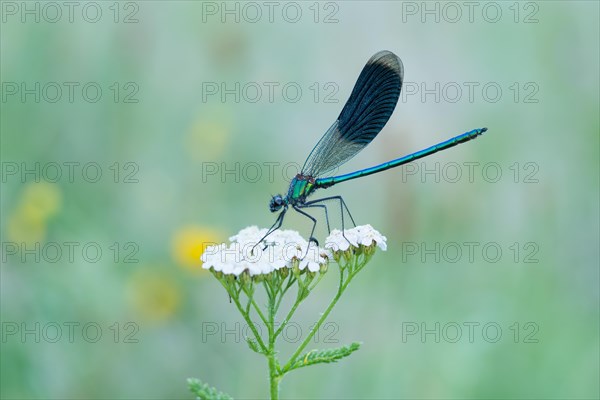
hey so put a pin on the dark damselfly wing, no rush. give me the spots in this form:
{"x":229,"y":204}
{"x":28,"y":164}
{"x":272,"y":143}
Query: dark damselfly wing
{"x":366,"y":112}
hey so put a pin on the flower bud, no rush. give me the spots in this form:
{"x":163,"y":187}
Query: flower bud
{"x":323,"y":268}
{"x":284,"y":272}
{"x":245,"y":277}
{"x":296,"y":267}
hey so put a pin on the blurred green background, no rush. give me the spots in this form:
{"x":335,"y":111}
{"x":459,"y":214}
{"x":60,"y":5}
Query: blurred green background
{"x":137,"y":319}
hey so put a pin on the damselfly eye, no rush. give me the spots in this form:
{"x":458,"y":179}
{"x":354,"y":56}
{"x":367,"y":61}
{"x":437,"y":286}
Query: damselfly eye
{"x":276,"y":203}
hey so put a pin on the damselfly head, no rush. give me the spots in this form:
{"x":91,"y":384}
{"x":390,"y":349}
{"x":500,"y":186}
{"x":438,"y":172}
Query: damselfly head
{"x":276,"y":203}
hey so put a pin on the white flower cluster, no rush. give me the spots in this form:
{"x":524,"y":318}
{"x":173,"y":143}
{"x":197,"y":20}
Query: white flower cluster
{"x":361,"y":235}
{"x":283,"y":249}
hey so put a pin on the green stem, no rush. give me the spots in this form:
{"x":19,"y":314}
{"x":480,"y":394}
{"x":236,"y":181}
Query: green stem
{"x":289,"y":315}
{"x":291,"y":281}
{"x":316,"y":327}
{"x":250,"y":324}
{"x":259,"y":312}
{"x":342,"y":286}
{"x":268,"y":290}
{"x":275,"y":294}
{"x":314,"y":330}
{"x":316,"y":283}
{"x":274,"y":376}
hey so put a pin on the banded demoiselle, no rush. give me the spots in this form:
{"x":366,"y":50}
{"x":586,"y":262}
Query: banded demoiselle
{"x":364,"y":115}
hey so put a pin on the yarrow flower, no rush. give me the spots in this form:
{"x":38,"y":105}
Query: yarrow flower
{"x":363,"y":235}
{"x":284,"y":249}
{"x":255,"y":272}
{"x":281,"y":249}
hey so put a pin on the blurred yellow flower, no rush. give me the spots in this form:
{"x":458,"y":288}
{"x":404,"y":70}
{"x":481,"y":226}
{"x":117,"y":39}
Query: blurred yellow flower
{"x":41,"y":200}
{"x":20,"y":229}
{"x":37,"y":203}
{"x":189,"y":243}
{"x":154,"y":295}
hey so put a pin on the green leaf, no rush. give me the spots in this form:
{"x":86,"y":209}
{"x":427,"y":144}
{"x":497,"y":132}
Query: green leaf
{"x":254,"y":345}
{"x":324,"y":356}
{"x":205,"y":392}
